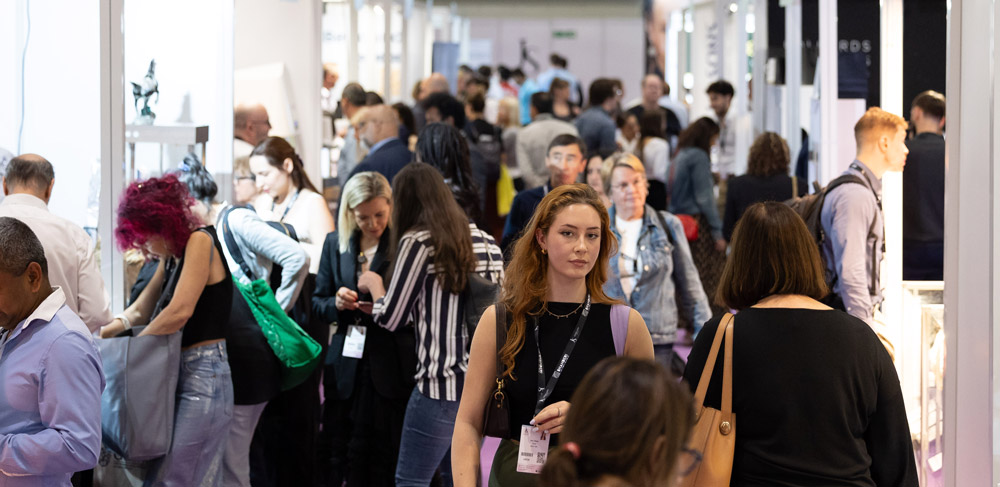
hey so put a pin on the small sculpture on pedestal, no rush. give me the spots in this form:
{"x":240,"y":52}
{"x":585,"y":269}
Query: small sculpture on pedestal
{"x":144,"y":90}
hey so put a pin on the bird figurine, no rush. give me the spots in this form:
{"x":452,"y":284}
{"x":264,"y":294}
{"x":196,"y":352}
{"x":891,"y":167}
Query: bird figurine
{"x":143,"y":91}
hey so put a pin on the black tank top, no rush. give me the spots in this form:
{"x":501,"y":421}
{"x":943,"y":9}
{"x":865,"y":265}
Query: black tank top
{"x":596,"y":342}
{"x":211,"y":315}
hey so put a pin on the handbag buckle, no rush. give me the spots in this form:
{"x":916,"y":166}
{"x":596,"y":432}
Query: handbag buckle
{"x":725,"y":428}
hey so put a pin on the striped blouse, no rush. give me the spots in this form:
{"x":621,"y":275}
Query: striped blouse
{"x":415,"y":296}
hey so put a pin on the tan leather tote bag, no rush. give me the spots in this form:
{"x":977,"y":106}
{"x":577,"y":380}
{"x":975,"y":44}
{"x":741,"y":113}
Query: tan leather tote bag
{"x":714,"y":433}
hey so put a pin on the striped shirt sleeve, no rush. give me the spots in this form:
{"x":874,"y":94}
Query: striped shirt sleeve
{"x":406,"y":283}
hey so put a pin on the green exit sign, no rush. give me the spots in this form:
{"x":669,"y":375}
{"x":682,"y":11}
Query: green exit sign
{"x":564,"y":34}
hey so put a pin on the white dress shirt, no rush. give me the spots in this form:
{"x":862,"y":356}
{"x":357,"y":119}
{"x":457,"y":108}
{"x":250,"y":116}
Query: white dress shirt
{"x":72,"y":260}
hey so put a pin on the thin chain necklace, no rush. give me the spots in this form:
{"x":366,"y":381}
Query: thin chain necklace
{"x":567,"y":315}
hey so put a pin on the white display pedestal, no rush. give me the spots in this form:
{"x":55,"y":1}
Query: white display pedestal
{"x":187,"y":135}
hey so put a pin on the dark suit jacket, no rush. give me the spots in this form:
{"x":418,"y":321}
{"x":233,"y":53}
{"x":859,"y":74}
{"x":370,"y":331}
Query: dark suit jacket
{"x":387,"y":160}
{"x":390,"y":355}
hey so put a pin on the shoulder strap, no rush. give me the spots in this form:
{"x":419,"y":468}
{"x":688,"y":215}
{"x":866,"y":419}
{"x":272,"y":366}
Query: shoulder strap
{"x":619,"y":327}
{"x":234,"y":249}
{"x":795,"y":187}
{"x":713,"y":355}
{"x":663,"y":223}
{"x":851,"y":178}
{"x":501,"y":335}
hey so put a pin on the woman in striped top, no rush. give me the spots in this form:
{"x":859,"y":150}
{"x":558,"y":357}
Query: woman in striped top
{"x":435,"y":248}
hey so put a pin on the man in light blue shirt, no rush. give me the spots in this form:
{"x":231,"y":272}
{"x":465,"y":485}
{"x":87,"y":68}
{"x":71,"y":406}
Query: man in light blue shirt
{"x":558,"y":70}
{"x":50,"y":372}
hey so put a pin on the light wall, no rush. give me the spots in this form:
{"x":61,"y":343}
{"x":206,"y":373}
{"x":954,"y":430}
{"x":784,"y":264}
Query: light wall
{"x":62,"y":111}
{"x":287,"y":32}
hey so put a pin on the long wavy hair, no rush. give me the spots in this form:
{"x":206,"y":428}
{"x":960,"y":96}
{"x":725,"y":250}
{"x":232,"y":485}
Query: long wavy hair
{"x":155,"y":207}
{"x":276,"y":150}
{"x":423,"y":202}
{"x":526,"y":283}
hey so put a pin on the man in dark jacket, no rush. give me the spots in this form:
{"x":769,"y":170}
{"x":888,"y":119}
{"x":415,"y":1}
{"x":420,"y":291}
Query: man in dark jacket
{"x":380,"y":130}
{"x":923,"y":191}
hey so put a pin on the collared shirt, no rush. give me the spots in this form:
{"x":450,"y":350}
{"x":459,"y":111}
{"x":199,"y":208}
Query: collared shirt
{"x":852,"y":219}
{"x":72,"y":259}
{"x":415,"y":295}
{"x":50,"y":408}
{"x":532,"y":147}
{"x":725,"y":148}
{"x":378,"y":145}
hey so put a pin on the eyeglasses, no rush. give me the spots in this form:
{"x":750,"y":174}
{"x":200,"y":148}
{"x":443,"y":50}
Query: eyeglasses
{"x":247,"y":178}
{"x":688,"y":461}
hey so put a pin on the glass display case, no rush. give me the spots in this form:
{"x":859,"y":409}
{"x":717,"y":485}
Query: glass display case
{"x":921,"y":369}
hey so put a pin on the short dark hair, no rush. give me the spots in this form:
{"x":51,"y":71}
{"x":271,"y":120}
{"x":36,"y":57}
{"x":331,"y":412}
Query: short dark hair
{"x":721,"y":87}
{"x":558,"y":84}
{"x":542,"y":101}
{"x":931,"y":103}
{"x":504,"y":72}
{"x":557,"y":60}
{"x":477,"y":102}
{"x":19,"y":247}
{"x":447,"y":106}
{"x":354,"y":94}
{"x":372,"y":99}
{"x":518,"y":72}
{"x":406,"y":118}
{"x":772,"y":253}
{"x":699,"y":134}
{"x":768,"y":156}
{"x":601,"y":89}
{"x":29,"y":172}
{"x":567,"y":139}
{"x":652,"y":123}
{"x":197,"y":179}
{"x":485,"y":71}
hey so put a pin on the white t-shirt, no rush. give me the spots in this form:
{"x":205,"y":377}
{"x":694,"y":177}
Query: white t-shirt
{"x":628,"y":255}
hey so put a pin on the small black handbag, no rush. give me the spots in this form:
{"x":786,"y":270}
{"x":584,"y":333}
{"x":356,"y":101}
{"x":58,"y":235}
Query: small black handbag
{"x":496,"y":416}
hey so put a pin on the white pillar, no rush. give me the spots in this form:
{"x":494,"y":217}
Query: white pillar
{"x":972,"y":253}
{"x":793,"y":75}
{"x":112,"y":147}
{"x":353,"y":59}
{"x":759,"y":65}
{"x":829,"y":89}
{"x":387,"y":40}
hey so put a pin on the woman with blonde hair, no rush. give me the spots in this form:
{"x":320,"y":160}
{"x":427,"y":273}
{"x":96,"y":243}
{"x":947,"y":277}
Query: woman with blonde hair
{"x":628,"y":427}
{"x":364,"y":404}
{"x":555,"y":311}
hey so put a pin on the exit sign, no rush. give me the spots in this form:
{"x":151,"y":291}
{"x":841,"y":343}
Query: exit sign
{"x":564,"y":34}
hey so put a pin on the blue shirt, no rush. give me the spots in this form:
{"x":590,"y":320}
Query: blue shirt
{"x":50,"y":409}
{"x":692,"y":191}
{"x":546,"y":77}
{"x":378,"y":145}
{"x":597,"y":130}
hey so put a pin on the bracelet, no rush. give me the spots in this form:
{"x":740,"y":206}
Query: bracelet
{"x":125,"y":321}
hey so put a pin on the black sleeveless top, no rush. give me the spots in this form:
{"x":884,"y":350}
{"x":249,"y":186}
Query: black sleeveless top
{"x":211,"y":315}
{"x":596,"y":343}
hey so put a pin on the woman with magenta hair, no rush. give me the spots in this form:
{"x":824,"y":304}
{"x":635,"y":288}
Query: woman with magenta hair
{"x":190,"y":294}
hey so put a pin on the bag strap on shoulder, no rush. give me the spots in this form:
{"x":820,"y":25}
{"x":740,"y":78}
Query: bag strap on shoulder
{"x":619,"y":327}
{"x":234,"y":249}
{"x":706,"y":374}
{"x":501,"y":327}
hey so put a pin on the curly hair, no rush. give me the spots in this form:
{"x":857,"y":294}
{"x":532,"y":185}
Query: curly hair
{"x":768,"y":156}
{"x":525,"y":287}
{"x":446,"y":149}
{"x":155,"y":207}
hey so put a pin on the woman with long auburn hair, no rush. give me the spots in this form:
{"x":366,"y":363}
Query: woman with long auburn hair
{"x":556,"y":310}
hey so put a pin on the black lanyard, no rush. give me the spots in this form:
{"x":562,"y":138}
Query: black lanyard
{"x":544,"y":393}
{"x":291,"y":202}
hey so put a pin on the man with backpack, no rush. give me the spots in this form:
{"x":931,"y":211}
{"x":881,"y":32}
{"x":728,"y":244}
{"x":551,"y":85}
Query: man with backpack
{"x":851,"y":215}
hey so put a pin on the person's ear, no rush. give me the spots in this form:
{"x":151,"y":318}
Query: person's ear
{"x":288,"y":165}
{"x":48,"y":191}
{"x":5,"y":190}
{"x":35,"y":276}
{"x":941,"y":123}
{"x":657,"y":456}
{"x":540,"y":238}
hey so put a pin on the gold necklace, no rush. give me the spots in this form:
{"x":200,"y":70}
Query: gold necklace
{"x":567,"y":315}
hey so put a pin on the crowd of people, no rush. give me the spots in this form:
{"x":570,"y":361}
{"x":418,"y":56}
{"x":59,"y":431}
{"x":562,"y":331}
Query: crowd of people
{"x":629,"y":237}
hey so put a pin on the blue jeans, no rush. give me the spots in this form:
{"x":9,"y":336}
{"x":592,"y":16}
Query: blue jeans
{"x":426,"y":441}
{"x":202,"y":415}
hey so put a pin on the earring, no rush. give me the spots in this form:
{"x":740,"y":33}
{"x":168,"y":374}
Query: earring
{"x":544,"y":251}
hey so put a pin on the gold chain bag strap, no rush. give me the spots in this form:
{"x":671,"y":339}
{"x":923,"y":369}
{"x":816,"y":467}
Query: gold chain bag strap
{"x":714,"y":432}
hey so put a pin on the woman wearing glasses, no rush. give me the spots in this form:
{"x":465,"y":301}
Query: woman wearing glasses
{"x":815,"y":391}
{"x":653,"y":268}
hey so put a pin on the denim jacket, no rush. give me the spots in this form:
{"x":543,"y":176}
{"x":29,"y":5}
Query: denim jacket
{"x":666,"y":266}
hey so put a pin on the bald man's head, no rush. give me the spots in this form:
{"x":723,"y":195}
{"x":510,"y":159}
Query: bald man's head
{"x":435,"y":83}
{"x":29,"y":174}
{"x":380,"y":122}
{"x":251,"y":123}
